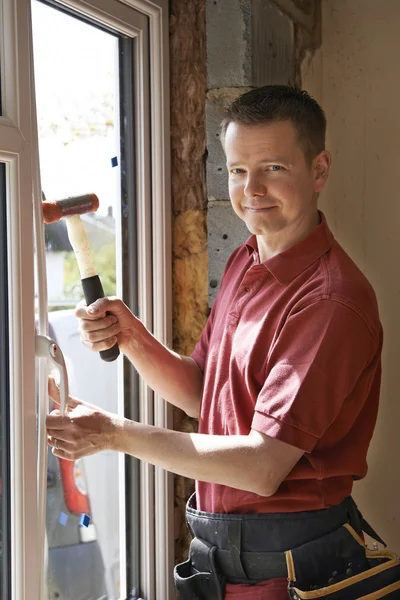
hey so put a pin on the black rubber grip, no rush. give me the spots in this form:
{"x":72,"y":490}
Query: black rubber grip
{"x":93,"y":290}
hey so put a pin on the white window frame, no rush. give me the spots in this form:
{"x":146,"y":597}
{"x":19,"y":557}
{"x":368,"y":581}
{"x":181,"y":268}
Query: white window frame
{"x":15,"y":151}
{"x":18,"y":149}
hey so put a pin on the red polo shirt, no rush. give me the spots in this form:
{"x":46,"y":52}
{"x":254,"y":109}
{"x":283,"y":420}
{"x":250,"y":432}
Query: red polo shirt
{"x":292,"y":349}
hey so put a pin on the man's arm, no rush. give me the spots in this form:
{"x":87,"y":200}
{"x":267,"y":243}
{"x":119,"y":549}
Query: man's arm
{"x":255,"y":462}
{"x":176,"y":378}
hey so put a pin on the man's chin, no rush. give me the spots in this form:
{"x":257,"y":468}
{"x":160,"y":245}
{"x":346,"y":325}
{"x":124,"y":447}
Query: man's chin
{"x":264,"y":229}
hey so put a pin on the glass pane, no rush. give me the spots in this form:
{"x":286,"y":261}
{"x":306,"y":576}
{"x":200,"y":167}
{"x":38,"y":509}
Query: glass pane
{"x":76,"y":78}
{"x":4,"y":400}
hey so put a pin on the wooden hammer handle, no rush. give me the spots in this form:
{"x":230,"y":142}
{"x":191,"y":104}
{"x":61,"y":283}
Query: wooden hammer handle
{"x":80,"y":244}
{"x":91,"y":284}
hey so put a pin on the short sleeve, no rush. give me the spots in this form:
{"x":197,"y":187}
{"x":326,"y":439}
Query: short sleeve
{"x":315,"y":362}
{"x":200,"y":351}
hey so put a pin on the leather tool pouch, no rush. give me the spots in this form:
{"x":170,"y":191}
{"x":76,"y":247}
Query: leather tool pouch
{"x":197,"y":578}
{"x":339,"y":566}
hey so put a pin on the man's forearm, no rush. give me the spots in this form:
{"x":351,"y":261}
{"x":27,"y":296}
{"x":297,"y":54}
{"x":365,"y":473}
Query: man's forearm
{"x":237,"y":461}
{"x":175,"y":378}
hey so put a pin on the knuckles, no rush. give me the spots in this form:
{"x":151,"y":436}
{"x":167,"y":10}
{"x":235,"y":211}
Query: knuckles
{"x":87,"y":326}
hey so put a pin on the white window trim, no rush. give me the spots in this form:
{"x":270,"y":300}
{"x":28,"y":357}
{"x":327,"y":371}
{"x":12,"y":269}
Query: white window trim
{"x":22,"y":378}
{"x":157,"y":12}
{"x":157,"y":539}
{"x":15,"y":151}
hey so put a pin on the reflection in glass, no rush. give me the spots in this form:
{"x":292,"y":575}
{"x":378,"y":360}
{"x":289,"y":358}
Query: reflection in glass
{"x":76,"y":78}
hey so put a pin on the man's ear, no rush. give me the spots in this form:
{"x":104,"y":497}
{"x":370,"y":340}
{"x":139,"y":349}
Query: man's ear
{"x":321,"y":166}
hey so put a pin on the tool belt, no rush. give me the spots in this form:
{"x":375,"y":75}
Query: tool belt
{"x":321,"y":553}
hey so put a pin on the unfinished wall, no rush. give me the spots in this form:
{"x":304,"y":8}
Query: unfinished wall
{"x":188,"y":147}
{"x":355,"y":78}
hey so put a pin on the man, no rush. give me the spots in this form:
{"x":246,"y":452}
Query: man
{"x":285,"y":378}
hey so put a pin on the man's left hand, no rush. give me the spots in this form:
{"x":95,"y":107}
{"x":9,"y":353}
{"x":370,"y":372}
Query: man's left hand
{"x":84,"y":429}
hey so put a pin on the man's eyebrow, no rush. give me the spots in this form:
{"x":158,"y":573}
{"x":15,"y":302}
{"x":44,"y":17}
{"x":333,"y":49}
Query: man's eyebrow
{"x":270,"y":160}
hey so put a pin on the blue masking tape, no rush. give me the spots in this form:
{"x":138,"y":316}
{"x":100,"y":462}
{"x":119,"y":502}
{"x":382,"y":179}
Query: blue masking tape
{"x":63,"y":519}
{"x":84,"y":520}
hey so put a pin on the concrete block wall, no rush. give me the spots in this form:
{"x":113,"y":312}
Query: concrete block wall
{"x":250,"y":43}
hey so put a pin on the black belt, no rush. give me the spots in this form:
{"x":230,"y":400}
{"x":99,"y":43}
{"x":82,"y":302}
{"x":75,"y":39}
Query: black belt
{"x":251,"y":547}
{"x":255,"y":565}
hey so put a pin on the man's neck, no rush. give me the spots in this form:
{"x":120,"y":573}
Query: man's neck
{"x":269,"y":246}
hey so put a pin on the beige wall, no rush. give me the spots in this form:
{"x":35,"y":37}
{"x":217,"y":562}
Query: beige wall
{"x":356,"y":77}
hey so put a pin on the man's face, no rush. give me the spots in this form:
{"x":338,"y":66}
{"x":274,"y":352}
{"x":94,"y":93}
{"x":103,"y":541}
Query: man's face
{"x":271,"y":186}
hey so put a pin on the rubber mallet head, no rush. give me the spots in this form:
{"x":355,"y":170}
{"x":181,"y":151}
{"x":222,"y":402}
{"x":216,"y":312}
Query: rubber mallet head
{"x":77,"y":205}
{"x":72,"y":208}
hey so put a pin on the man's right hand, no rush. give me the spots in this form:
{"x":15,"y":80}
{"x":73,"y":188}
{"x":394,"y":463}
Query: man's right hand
{"x":176,"y":378}
{"x":100,"y":331}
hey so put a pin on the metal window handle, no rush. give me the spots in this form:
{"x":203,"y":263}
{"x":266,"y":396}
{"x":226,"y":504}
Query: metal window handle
{"x":45,"y":347}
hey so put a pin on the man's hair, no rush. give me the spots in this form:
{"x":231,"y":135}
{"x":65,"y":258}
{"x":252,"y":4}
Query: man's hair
{"x":273,"y":103}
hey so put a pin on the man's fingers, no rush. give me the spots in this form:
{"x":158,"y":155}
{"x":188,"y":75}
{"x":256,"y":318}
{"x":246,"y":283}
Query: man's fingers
{"x":53,"y":390}
{"x":56,"y":423}
{"x":56,"y":413}
{"x":64,"y":449}
{"x":60,"y":434}
{"x":54,"y":393}
{"x":107,"y":323}
{"x":58,"y":449}
{"x":100,"y":346}
{"x":95,"y":310}
{"x":101,"y":335}
{"x":55,"y":437}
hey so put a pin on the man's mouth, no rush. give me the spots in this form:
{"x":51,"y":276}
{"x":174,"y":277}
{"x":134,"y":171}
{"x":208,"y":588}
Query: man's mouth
{"x":259,"y":208}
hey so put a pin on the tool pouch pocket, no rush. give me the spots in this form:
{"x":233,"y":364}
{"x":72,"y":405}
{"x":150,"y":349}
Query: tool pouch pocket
{"x":339,"y":566}
{"x":197,"y":578}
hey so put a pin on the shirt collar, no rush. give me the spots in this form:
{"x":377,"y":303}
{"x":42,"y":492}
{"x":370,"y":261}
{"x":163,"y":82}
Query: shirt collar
{"x":293,"y":261}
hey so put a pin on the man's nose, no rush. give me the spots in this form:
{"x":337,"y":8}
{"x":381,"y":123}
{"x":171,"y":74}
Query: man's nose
{"x":255,"y":186}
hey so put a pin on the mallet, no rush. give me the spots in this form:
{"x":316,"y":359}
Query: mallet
{"x":70,"y":209}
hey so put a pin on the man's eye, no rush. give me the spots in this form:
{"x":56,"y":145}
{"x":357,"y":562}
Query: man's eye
{"x":275,"y":168}
{"x":237,"y":171}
